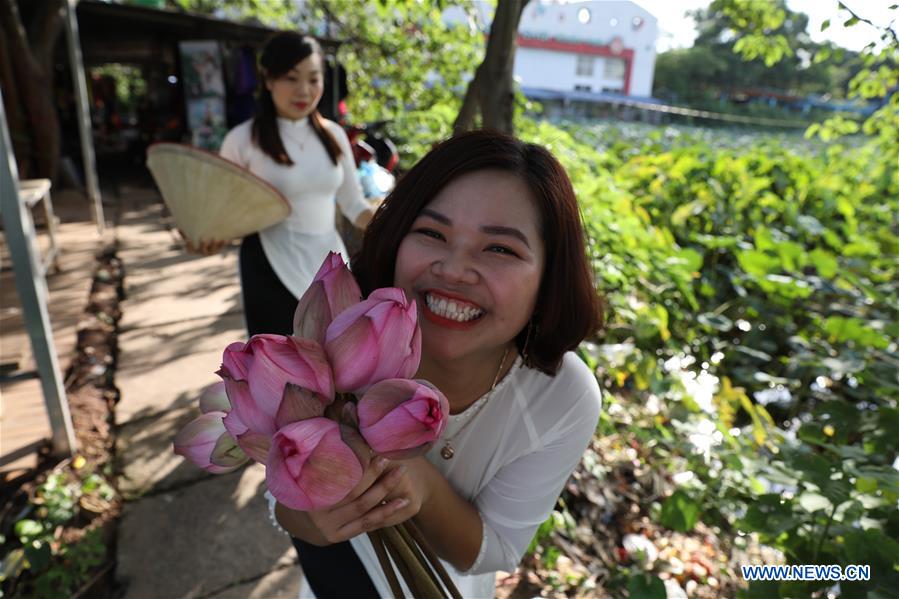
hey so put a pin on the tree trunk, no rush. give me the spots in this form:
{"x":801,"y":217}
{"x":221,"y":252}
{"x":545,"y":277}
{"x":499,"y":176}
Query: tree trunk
{"x":491,"y":89}
{"x":32,"y":67}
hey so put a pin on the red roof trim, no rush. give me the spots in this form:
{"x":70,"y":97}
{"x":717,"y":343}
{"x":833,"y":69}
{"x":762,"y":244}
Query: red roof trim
{"x":575,"y":47}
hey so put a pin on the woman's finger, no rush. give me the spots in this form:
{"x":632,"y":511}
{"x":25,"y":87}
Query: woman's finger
{"x":379,"y":517}
{"x":367,"y":505}
{"x":372,"y":473}
{"x":374,"y":495}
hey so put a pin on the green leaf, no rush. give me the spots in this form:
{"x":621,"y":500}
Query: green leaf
{"x":825,"y":24}
{"x":757,"y":263}
{"x":680,"y":512}
{"x":770,"y":515}
{"x":38,"y":555}
{"x":871,"y":547}
{"x":643,"y":586}
{"x":27,"y":530}
{"x":865,"y":485}
{"x":812,"y":502}
{"x":824,"y":262}
{"x":13,"y":564}
{"x":762,"y":589}
{"x":855,"y":329}
{"x":685,"y":211}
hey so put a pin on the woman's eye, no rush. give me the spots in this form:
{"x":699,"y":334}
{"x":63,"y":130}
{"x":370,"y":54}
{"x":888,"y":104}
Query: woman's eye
{"x":501,"y":249}
{"x":429,"y":233}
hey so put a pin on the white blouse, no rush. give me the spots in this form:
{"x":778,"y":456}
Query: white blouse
{"x":296,"y":246}
{"x":510,"y":462}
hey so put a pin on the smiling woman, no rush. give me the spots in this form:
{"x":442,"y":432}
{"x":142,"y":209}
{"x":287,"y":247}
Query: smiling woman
{"x":485,"y":235}
{"x":309,"y":160}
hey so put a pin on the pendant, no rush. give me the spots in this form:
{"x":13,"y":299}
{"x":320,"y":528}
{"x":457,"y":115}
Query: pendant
{"x":447,"y":451}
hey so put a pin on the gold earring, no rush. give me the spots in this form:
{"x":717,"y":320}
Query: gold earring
{"x":527,"y":340}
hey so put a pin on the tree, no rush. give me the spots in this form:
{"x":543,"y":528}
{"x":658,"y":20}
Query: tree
{"x":400,"y":55}
{"x":491,"y":89}
{"x":686,"y":74}
{"x":745,"y":44}
{"x":274,"y":13}
{"x":26,"y":72}
{"x":877,"y":80}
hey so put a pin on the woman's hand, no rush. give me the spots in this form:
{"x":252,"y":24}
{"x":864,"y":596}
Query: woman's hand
{"x":388,"y":494}
{"x":207,"y":247}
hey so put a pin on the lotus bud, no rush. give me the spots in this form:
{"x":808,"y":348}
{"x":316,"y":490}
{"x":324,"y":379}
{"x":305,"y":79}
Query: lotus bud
{"x":402,"y":418}
{"x":333,"y":290}
{"x":214,"y":398}
{"x":376,"y":339}
{"x":309,"y":466}
{"x":261,"y":371}
{"x":254,"y":436}
{"x":206,"y":443}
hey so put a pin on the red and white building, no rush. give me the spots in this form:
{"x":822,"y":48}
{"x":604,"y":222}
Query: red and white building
{"x":592,"y":46}
{"x":580,"y":49}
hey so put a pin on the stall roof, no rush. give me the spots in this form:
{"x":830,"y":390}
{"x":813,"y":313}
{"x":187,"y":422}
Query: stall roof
{"x":104,"y":20}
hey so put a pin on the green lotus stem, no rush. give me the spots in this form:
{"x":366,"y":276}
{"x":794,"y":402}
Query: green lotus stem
{"x":419,"y":556}
{"x":401,"y":565}
{"x":426,"y":586}
{"x":412,"y":529}
{"x":377,"y":541}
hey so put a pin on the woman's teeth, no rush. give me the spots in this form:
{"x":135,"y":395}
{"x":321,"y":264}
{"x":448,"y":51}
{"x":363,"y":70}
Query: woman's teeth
{"x":451,"y":310}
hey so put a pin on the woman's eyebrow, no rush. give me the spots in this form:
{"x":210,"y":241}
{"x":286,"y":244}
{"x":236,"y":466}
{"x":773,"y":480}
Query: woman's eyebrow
{"x":443,"y":220}
{"x":508,"y":231}
{"x":489,"y":229}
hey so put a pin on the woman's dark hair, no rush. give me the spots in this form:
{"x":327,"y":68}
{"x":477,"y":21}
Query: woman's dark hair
{"x":568,"y":307}
{"x":281,"y":53}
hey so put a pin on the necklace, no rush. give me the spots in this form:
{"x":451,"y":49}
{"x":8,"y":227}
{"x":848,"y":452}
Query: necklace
{"x":447,"y":452}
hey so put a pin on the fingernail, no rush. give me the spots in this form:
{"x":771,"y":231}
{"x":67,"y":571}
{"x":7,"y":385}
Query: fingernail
{"x":401,"y":503}
{"x":380,"y":462}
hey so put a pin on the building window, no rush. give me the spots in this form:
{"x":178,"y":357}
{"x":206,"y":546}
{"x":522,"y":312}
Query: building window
{"x":582,"y":88}
{"x":584,"y":66}
{"x":613,"y":68}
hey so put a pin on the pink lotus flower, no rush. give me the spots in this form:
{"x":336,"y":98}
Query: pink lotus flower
{"x":214,"y":398}
{"x":332,"y":291}
{"x":309,"y":466}
{"x":376,"y":339}
{"x":271,"y":381}
{"x":402,"y":418}
{"x":206,"y":443}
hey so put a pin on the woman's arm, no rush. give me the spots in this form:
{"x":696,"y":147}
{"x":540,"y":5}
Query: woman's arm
{"x":391,"y":493}
{"x":451,"y":524}
{"x":364,"y":218}
{"x":349,"y":195}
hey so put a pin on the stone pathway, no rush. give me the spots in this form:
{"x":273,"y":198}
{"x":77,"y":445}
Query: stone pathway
{"x":184,"y":533}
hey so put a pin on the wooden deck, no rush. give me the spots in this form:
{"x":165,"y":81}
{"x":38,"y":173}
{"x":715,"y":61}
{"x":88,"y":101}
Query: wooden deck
{"x":23,"y":417}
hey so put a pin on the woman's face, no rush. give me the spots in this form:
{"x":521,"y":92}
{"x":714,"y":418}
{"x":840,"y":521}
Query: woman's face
{"x":473,"y":260}
{"x":297,"y":92}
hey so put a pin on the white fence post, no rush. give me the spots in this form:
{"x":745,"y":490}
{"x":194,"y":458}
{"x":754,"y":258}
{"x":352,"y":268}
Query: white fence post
{"x":32,"y":288}
{"x":84,"y":115}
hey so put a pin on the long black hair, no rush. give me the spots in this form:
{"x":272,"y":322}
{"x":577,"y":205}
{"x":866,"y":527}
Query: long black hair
{"x":282,"y":52}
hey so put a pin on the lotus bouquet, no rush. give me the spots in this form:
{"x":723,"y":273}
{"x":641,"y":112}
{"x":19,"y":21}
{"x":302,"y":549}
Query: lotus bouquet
{"x":315,"y":407}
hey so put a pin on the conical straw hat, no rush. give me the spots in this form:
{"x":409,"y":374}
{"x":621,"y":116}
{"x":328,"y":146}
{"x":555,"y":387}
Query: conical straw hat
{"x":212,"y":198}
